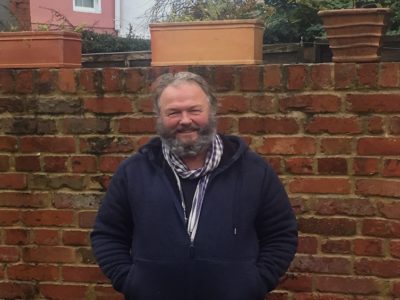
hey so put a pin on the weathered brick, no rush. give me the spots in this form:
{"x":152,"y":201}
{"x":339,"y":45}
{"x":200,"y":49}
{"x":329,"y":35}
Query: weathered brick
{"x":296,"y":77}
{"x":112,"y":79}
{"x":16,"y":181}
{"x":108,"y":105}
{"x":320,"y":185}
{"x":107,"y":293}
{"x":17,"y":290}
{"x":31,"y":144}
{"x":321,"y":76}
{"x":84,"y":164}
{"x":375,"y":125}
{"x":299,"y":165}
{"x":378,"y":187}
{"x":333,"y":125}
{"x":110,"y":163}
{"x":83,"y":274}
{"x":394,"y":125}
{"x":65,"y":200}
{"x":24,"y":199}
{"x":8,"y":143}
{"x":328,"y":226}
{"x":86,"y":219}
{"x":368,"y":75}
{"x":66,"y":80}
{"x":378,"y":146}
{"x":388,"y":268}
{"x":268,"y":125}
{"x":144,"y":105}
{"x":250,"y":78}
{"x":43,"y":182}
{"x":336,"y":145}
{"x":27,"y":163}
{"x":9,"y":254}
{"x":389,"y":210}
{"x":88,"y":80}
{"x":347,"y":285}
{"x":48,"y":218}
{"x":336,"y":246}
{"x":262,"y":104}
{"x":307,"y":245}
{"x":316,"y":264}
{"x":47,"y":237}
{"x":224,"y":78}
{"x":63,"y":291}
{"x":373,"y":103}
{"x":4,"y":163}
{"x":49,"y":254}
{"x":45,"y":79}
{"x":104,"y":144}
{"x":368,"y":247}
{"x":16,"y":236}
{"x":347,"y":207}
{"x":391,"y":168}
{"x":7,"y":81}
{"x":288,"y":145}
{"x":24,"y":82}
{"x":273,"y":77}
{"x":345,"y":75}
{"x":28,"y":272}
{"x":310,"y":103}
{"x":136,"y":125}
{"x":58,"y":105}
{"x":75,"y":238}
{"x":394,"y":247}
{"x":134,"y":80}
{"x":388,"y":75}
{"x":332,"y":165}
{"x":84,"y":125}
{"x":381,"y":228}
{"x":233,"y":104}
{"x":365,"y":166}
{"x":11,"y":105}
{"x":297,"y":283}
{"x":55,"y":164}
{"x":227,"y":125}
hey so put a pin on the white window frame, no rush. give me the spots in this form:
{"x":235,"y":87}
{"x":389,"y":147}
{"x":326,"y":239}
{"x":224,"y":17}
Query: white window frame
{"x":96,"y":9}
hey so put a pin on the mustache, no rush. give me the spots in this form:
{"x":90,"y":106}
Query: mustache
{"x":186,"y":128}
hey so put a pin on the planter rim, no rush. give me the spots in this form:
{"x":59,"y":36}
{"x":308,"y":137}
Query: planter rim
{"x":207,"y":23}
{"x":352,"y":11}
{"x":39,"y":33}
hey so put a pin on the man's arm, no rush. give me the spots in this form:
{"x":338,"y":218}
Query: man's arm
{"x":112,"y":234}
{"x":277,"y":231}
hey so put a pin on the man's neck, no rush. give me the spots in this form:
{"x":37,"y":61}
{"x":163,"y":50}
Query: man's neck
{"x":195,"y":162}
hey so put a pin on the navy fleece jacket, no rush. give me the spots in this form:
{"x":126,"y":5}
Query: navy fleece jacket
{"x":245,"y":241}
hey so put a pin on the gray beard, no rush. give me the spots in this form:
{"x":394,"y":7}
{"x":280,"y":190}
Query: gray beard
{"x":180,"y":149}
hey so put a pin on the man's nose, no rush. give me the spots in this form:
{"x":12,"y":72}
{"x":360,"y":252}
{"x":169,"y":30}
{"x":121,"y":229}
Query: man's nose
{"x":185,"y":118}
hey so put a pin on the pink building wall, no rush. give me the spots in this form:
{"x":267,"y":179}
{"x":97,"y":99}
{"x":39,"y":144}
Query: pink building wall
{"x":100,"y":22}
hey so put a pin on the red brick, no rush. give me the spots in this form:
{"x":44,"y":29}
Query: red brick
{"x":47,"y":237}
{"x":394,"y":125}
{"x":112,"y":79}
{"x":17,"y":290}
{"x":347,"y":285}
{"x":388,"y":268}
{"x":107,"y":293}
{"x":365,"y":166}
{"x":307,"y":245}
{"x":320,"y":185}
{"x":14,"y":181}
{"x":368,"y":75}
{"x":83,"y":125}
{"x":396,"y":289}
{"x":134,"y":80}
{"x":388,"y":75}
{"x":86,"y":219}
{"x":49,"y":254}
{"x":47,"y":144}
{"x":391,"y":168}
{"x":48,"y":218}
{"x":227,"y":125}
{"x":299,"y":165}
{"x":110,"y":163}
{"x":276,"y":295}
{"x":8,"y":143}
{"x":332,"y":165}
{"x":328,"y":226}
{"x":319,"y":296}
{"x":66,"y":80}
{"x":262,"y":104}
{"x":67,"y":200}
{"x":24,"y":82}
{"x":336,"y":246}
{"x":224,"y":78}
{"x":232,"y":104}
{"x":30,"y":200}
{"x":268,"y":125}
{"x":250,"y":78}
{"x":394,"y":247}
{"x":272,"y":77}
{"x":315,"y":264}
{"x":6,"y":81}
{"x":136,"y":125}
{"x":368,"y":247}
{"x":9,"y":217}
{"x":288,"y":145}
{"x":378,"y":187}
{"x":333,"y":125}
{"x":107,"y":144}
{"x":373,"y":103}
{"x":27,"y":163}
{"x":108,"y":105}
{"x":103,"y":181}
{"x":345,"y":75}
{"x":296,"y":77}
{"x":336,"y":145}
{"x":87,"y":80}
{"x":321,"y":76}
{"x":84,"y":164}
{"x":55,"y":163}
{"x":75,"y":238}
{"x":144,"y":105}
{"x":25,"y":272}
{"x":375,"y":125}
{"x":378,"y":146}
{"x":16,"y":236}
{"x":9,"y":254}
{"x":389,"y":210}
{"x":381,"y":228}
{"x":83,"y":274}
{"x":63,"y":291}
{"x":297,"y":283}
{"x":274,"y":162}
{"x":347,"y":207}
{"x":4,"y":163}
{"x":310,"y":103}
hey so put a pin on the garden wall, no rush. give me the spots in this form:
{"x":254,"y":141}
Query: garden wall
{"x":331,"y":131}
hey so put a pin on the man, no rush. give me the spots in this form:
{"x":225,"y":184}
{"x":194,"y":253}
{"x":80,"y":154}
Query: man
{"x":193,"y":215}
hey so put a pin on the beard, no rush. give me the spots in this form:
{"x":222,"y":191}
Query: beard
{"x":204,"y":140}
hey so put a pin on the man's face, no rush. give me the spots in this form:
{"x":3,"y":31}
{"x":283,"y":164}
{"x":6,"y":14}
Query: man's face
{"x":185,"y":122}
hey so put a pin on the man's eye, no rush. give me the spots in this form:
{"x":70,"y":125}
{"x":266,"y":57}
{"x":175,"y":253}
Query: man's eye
{"x":172,"y":114}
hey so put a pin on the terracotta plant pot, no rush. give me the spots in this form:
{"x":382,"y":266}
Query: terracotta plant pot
{"x":40,"y":49}
{"x":355,"y":35}
{"x":207,"y":42}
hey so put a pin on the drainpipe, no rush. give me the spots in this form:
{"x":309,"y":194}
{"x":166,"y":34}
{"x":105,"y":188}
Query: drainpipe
{"x":117,"y":17}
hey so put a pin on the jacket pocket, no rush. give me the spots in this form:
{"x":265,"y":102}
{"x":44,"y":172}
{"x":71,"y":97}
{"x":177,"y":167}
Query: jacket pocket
{"x":233,"y":280}
{"x":154,"y":280}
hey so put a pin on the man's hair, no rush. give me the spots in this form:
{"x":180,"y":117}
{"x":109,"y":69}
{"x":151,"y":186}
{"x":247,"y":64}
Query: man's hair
{"x":168,"y":79}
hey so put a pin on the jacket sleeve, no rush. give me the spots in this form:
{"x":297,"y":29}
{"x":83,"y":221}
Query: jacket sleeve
{"x":112,"y":234}
{"x":276,"y":230}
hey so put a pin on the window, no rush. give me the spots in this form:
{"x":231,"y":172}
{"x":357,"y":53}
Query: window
{"x":91,"y":6}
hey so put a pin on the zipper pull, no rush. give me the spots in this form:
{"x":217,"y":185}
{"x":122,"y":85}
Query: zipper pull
{"x":191,"y":250}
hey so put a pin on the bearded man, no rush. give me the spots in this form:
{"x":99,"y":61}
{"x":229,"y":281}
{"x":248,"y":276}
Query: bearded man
{"x":194,"y":215}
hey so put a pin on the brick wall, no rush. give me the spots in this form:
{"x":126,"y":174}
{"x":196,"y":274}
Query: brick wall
{"x":331,"y":131}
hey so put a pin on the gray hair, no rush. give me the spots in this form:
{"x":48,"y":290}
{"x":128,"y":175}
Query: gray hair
{"x":168,"y":79}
